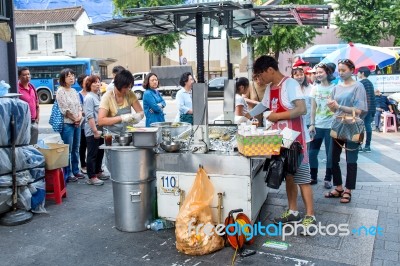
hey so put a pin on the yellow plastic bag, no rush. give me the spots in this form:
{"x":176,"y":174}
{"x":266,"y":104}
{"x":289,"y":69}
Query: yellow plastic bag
{"x":191,"y":239}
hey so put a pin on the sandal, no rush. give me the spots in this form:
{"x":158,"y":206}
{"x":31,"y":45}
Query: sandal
{"x":331,"y":195}
{"x":345,"y":199}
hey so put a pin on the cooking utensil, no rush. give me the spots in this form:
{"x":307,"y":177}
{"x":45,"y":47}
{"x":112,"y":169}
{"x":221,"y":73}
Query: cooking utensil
{"x":171,"y":146}
{"x":123,"y":139}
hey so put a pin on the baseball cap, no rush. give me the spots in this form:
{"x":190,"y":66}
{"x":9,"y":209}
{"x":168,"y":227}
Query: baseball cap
{"x":299,"y":63}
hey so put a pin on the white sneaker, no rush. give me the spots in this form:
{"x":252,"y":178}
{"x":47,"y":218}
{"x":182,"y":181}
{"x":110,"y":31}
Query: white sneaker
{"x":94,"y":181}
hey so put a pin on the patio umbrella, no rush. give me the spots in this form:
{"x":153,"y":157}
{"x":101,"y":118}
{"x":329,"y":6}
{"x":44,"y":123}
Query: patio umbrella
{"x":364,"y":55}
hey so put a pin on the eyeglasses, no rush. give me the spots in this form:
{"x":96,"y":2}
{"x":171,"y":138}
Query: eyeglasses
{"x":323,"y":65}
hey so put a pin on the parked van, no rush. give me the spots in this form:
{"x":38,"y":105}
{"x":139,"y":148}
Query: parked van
{"x":137,"y":87}
{"x":168,"y":78}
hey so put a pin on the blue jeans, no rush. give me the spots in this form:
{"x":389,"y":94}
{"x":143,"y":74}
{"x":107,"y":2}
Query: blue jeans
{"x":368,"y":129}
{"x":321,"y":134}
{"x":71,"y":135}
{"x":378,"y":119}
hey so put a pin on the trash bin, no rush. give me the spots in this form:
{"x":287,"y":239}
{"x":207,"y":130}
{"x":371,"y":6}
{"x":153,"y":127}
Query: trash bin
{"x":133,"y":180}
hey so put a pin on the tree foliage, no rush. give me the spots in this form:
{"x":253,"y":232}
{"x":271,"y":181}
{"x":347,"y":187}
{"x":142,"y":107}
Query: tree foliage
{"x":287,"y":38}
{"x":367,"y":21}
{"x":157,"y":45}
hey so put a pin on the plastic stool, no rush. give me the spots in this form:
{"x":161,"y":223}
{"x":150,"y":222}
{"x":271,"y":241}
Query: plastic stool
{"x":389,"y":122}
{"x":55,"y":185}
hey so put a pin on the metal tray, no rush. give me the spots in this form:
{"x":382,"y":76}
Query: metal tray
{"x":145,"y":139}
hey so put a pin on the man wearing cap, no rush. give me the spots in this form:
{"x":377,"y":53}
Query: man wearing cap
{"x":363,"y":73}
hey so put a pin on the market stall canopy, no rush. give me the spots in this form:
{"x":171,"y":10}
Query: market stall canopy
{"x":239,"y":20}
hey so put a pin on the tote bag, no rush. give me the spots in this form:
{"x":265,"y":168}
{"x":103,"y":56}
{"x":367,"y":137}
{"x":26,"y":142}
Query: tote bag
{"x":56,"y":118}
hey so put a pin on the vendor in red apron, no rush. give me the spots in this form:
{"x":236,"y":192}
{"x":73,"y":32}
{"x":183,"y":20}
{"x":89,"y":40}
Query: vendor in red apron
{"x":115,"y":111}
{"x":283,"y":96}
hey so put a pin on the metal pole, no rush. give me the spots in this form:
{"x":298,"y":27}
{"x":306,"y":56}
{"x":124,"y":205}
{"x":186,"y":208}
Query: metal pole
{"x":228,"y":60}
{"x":11,"y":52}
{"x":250,"y":60}
{"x":199,"y":47}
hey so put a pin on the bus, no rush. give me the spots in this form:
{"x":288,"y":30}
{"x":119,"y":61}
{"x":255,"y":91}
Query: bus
{"x":387,"y":80}
{"x":45,"y":71}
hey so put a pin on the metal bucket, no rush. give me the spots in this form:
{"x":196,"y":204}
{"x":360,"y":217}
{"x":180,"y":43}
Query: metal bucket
{"x":133,"y":204}
{"x":133,"y":180}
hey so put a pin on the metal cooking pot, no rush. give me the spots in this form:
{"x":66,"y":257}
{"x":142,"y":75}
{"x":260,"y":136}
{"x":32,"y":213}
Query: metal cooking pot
{"x":171,"y":146}
{"x":123,"y":139}
{"x":170,"y":130}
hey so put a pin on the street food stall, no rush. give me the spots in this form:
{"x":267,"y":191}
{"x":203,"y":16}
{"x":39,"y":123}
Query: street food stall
{"x":238,"y":180}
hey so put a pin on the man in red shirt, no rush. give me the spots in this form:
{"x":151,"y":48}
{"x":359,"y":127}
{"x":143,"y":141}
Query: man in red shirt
{"x":29,"y":95}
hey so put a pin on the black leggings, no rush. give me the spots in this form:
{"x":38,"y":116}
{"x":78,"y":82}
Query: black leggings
{"x":94,"y":156}
{"x":351,"y":160}
{"x":82,"y":149}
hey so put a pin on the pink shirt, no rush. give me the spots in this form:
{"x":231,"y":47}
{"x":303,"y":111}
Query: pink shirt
{"x":30,"y":97}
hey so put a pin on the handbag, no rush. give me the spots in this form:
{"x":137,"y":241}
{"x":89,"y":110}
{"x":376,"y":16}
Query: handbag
{"x":348,"y":128}
{"x":275,"y":174}
{"x":56,"y":119}
{"x":188,"y":118}
{"x":293,"y":157}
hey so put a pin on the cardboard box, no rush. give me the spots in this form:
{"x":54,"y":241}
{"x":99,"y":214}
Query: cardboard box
{"x":263,"y":145}
{"x":56,"y":156}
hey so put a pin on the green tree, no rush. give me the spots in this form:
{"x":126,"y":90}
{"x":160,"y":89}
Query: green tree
{"x":365,"y":22}
{"x":156,"y":45}
{"x":287,"y":38}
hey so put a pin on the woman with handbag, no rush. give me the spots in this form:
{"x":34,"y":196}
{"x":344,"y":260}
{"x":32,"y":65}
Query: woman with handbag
{"x":347,"y":98}
{"x":184,"y":99}
{"x":284,"y":97}
{"x":71,"y":108}
{"x":321,"y":121}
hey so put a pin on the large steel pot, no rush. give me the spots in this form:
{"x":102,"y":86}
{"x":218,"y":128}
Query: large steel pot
{"x":133,"y":180}
{"x":170,"y":130}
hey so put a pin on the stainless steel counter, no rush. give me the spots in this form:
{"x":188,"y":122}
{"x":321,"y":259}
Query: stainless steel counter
{"x":215,"y":163}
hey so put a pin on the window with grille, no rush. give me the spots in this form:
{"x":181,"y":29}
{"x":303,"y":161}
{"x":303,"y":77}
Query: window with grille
{"x":34,"y":42}
{"x":58,"y":41}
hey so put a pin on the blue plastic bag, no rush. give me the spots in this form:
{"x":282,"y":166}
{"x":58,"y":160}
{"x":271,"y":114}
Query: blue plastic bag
{"x":56,"y":118}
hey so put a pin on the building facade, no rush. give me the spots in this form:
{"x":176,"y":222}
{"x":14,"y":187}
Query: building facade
{"x":50,"y":32}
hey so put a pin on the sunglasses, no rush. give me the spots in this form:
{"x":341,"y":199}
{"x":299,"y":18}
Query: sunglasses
{"x":323,"y":65}
{"x":347,"y":62}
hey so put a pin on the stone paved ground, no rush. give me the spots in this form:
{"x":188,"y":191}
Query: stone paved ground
{"x":81,"y":230}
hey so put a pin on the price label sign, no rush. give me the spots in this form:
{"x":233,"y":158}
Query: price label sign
{"x":169,"y":184}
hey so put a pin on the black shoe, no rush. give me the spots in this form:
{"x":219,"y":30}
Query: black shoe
{"x":367,"y":149}
{"x":327,"y":184}
{"x":360,"y":149}
{"x":314,"y":182}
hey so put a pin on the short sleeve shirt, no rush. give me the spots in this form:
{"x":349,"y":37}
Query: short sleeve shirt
{"x":350,"y":96}
{"x":323,"y":115}
{"x":239,"y":100}
{"x":109,"y":103}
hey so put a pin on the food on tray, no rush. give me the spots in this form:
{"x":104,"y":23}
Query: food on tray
{"x":214,"y":135}
{"x":225,"y":137}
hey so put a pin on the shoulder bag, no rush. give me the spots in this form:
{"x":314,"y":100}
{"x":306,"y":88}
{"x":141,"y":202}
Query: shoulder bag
{"x":56,"y":118}
{"x":348,"y":128}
